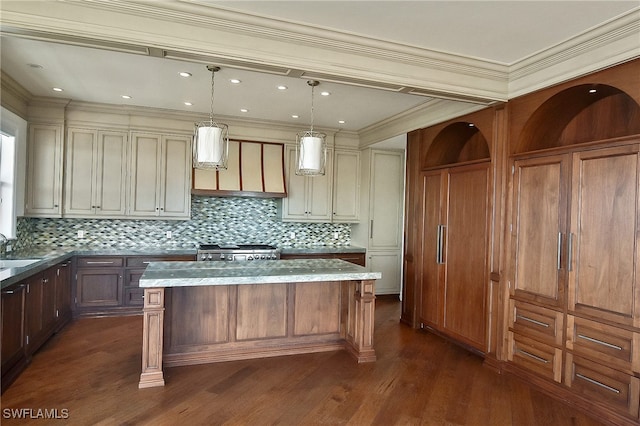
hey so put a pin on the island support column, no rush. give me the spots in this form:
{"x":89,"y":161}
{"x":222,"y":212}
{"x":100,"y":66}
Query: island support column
{"x":152,"y":338}
{"x":361,"y":320}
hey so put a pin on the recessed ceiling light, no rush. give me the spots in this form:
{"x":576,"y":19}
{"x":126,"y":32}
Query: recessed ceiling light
{"x":184,"y":74}
{"x":235,"y":81}
{"x":341,"y":121}
{"x":126,"y":97}
{"x":281,"y":87}
{"x":57,"y":89}
{"x":244,"y":110}
{"x":325,"y":93}
{"x":188,"y":104}
{"x":295,"y":116}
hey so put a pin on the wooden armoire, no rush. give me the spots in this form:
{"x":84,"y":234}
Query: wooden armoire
{"x":572,"y":322}
{"x":527,"y":250}
{"x":450,"y":229}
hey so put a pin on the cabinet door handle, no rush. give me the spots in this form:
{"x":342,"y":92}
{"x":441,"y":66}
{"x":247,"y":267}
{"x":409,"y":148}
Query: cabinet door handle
{"x":100,"y":262}
{"x":371,"y":229}
{"x":600,"y":342}
{"x":559,"y":257}
{"x":570,"y":251}
{"x":440,"y":245}
{"x":597,"y":383}
{"x":146,"y":262}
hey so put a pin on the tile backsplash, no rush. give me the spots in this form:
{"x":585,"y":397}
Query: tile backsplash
{"x":213,"y":220}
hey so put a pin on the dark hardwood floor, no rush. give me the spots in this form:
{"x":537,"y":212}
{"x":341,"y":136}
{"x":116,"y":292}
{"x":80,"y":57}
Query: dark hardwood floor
{"x":92,"y":370}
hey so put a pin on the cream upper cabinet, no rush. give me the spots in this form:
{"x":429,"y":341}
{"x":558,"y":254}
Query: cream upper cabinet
{"x":44,"y":171}
{"x":95,"y":173}
{"x":160,"y":171}
{"x":382,"y":204}
{"x":346,"y":186}
{"x":308,"y":198}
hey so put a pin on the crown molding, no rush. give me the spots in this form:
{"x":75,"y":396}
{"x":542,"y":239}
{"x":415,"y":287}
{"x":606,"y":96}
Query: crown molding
{"x":433,"y":112}
{"x":191,"y":29}
{"x":608,"y":44}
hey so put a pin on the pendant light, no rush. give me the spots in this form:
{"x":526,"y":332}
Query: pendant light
{"x":211,"y":140}
{"x":311,"y":149}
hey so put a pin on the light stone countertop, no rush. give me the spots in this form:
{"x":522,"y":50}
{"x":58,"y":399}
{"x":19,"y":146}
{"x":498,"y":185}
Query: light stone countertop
{"x":184,"y":274}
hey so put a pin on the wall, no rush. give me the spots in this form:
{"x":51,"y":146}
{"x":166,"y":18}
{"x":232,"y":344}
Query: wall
{"x":213,"y":220}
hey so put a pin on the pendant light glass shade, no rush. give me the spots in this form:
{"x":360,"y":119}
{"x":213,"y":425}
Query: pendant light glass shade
{"x":211,"y":146}
{"x":311,"y":152}
{"x":311,"y":148}
{"x":211,"y":140}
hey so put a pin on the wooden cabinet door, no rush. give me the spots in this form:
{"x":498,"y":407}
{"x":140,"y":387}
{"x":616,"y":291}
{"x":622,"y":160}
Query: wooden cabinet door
{"x":465,"y":254}
{"x":539,"y":225}
{"x":99,"y":287}
{"x":80,"y":172}
{"x":319,"y":193}
{"x":604,"y":234}
{"x":49,"y":301}
{"x":144,"y":198}
{"x":346,"y":186}
{"x":33,"y":312}
{"x":63,"y":293}
{"x":44,"y":171}
{"x":110,"y":174}
{"x":386,"y":195}
{"x":430,"y":303}
{"x":308,"y":198}
{"x":175,"y":177}
{"x":13,"y":327}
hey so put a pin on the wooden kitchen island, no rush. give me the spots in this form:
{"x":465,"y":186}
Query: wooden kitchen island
{"x":202,"y":312}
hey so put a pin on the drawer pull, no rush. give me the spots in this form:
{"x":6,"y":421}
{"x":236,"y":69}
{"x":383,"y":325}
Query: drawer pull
{"x":536,"y":357}
{"x":597,"y":383}
{"x":100,"y":262}
{"x":599,"y":342}
{"x":146,"y":262}
{"x":540,"y":323}
{"x":18,"y":288}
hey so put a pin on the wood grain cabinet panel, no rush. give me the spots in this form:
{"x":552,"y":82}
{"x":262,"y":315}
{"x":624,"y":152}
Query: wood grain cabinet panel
{"x":261,"y":311}
{"x":603,"y":385}
{"x":316,"y":308}
{"x":14,"y":356}
{"x":604,"y":234}
{"x":540,"y":358}
{"x":197,"y":308}
{"x":609,"y":345}
{"x":540,"y":216}
{"x":455,"y":273}
{"x":543,"y":324}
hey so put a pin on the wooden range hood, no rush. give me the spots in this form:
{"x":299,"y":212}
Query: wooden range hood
{"x":254,"y":169}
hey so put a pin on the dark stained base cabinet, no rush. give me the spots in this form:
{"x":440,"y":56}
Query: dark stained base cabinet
{"x":32,"y":311}
{"x":108,"y":285}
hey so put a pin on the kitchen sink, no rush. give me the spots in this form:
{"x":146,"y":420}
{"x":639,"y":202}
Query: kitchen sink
{"x":16,"y":263}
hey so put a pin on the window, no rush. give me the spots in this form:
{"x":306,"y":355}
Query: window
{"x":7,"y":186}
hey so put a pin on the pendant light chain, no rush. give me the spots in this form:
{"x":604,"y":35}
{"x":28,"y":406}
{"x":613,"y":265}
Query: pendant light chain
{"x":213,"y":73}
{"x":312,"y":91}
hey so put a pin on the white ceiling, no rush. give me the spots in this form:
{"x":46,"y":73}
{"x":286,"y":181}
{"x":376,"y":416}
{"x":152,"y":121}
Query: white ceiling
{"x":503,"y":32}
